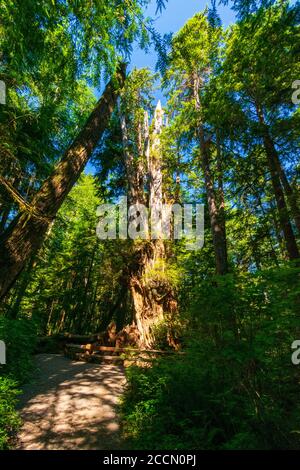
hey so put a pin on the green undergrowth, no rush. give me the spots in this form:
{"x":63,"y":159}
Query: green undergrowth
{"x":19,"y":337}
{"x":236,"y":387}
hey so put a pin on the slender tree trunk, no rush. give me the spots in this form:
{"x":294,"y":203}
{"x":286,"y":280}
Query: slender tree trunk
{"x":269,"y":235}
{"x":221,"y":198}
{"x":4,"y":218}
{"x":8,"y":207}
{"x":216,"y":214}
{"x":27,"y":233}
{"x":285,"y":223}
{"x":216,"y":222}
{"x":284,"y":219}
{"x":49,"y":320}
{"x":85,"y":302}
{"x":276,"y":224}
{"x":290,"y":193}
{"x":21,"y":289}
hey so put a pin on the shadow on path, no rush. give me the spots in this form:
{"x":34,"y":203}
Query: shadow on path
{"x":71,"y":405}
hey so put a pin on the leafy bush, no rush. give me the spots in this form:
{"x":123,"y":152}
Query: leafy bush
{"x":235,"y":388}
{"x":19,"y":337}
{"x":9,"y":419}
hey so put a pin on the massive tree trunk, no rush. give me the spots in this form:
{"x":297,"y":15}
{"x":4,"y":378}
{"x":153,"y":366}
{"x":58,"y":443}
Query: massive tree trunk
{"x":273,"y":161}
{"x":153,"y":298}
{"x":27,"y":232}
{"x":216,"y":211}
{"x":146,"y":293}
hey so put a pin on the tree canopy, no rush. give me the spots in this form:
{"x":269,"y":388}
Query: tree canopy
{"x":225,"y":136}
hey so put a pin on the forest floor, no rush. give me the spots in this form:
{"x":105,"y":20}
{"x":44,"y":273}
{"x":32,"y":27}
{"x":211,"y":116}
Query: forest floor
{"x":71,"y":405}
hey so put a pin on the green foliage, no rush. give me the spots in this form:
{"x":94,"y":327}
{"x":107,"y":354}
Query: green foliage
{"x":52,"y":54}
{"x":163,"y":273}
{"x":235,"y":387}
{"x":237,"y":76}
{"x":9,"y":419}
{"x":247,"y":7}
{"x":20,"y":338}
{"x":65,"y":267}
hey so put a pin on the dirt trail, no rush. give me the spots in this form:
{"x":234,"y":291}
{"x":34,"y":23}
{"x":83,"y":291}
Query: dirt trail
{"x":71,"y":405}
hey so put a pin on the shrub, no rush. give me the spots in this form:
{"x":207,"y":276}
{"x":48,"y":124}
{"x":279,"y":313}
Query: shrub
{"x":9,"y":419}
{"x":235,"y":388}
{"x":19,"y":337}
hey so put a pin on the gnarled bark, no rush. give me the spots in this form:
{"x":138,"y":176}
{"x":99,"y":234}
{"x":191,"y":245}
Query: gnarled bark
{"x":152,"y":298}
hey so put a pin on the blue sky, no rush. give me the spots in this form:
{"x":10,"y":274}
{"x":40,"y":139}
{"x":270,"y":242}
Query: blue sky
{"x":171,"y":20}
